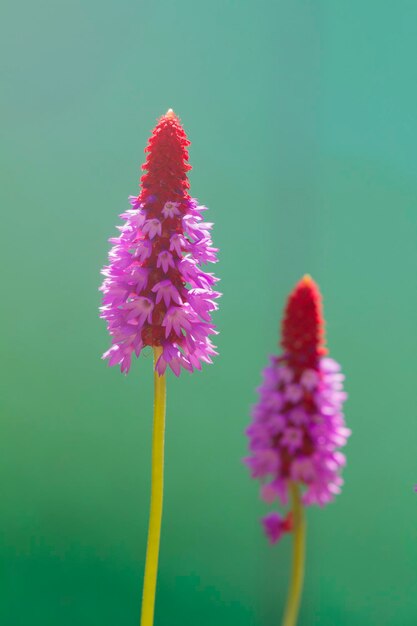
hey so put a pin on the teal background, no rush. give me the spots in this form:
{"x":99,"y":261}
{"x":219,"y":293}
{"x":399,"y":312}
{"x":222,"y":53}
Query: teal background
{"x":302,"y":117}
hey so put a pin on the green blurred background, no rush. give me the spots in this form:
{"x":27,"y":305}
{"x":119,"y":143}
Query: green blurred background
{"x":302,"y":116}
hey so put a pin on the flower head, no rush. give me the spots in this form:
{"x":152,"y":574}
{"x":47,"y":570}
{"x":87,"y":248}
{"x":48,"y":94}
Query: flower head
{"x":155,"y":292}
{"x":298,"y":421}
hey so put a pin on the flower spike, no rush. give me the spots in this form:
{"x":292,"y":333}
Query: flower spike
{"x":298,"y":422}
{"x":297,"y":427}
{"x":154,"y":275}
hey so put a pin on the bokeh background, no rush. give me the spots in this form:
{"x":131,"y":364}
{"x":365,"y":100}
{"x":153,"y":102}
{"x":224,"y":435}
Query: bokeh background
{"x":302,"y":116}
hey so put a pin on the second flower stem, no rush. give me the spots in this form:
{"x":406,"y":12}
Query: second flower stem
{"x":298,"y":558}
{"x":157,"y":490}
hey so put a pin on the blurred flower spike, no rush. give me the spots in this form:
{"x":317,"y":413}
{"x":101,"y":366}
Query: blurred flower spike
{"x":298,"y":425}
{"x":155,"y":292}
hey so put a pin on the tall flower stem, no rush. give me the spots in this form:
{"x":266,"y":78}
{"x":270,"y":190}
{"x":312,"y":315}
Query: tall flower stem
{"x":157,"y":490}
{"x":298,"y":558}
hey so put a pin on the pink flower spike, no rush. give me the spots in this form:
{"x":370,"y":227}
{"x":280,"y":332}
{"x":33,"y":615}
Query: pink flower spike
{"x":299,"y":414}
{"x":145,"y":262}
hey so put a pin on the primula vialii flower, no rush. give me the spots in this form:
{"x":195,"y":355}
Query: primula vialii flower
{"x":155,"y":292}
{"x":157,"y":295}
{"x":298,"y":424}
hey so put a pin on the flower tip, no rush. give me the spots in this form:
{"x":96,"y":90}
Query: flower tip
{"x":170,"y":114}
{"x":303,"y":323}
{"x":307,"y":280}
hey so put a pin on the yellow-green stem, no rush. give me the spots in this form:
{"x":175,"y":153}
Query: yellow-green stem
{"x":157,"y":490}
{"x":298,"y":557}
